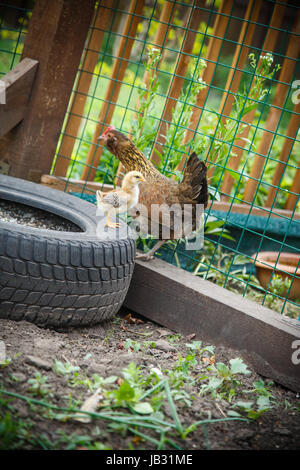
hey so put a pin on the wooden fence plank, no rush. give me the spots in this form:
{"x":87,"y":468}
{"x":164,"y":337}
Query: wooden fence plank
{"x":268,"y":45}
{"x":291,"y":132}
{"x":56,"y":36}
{"x":82,"y":87}
{"x":282,"y":87}
{"x":213,"y":51}
{"x":239,"y":59}
{"x":293,"y":199}
{"x":160,"y":39}
{"x":114,"y":86}
{"x":177,"y":81}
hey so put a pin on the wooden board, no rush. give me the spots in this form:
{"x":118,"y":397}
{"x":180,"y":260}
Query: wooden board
{"x":77,"y":186}
{"x":184,"y":303}
{"x":15,"y":89}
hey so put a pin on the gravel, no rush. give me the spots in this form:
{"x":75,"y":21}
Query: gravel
{"x":22,"y":214}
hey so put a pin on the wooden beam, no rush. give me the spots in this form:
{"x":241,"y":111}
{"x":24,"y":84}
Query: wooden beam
{"x":77,"y":186}
{"x":56,"y":36}
{"x":184,"y":303}
{"x":15,"y":90}
{"x":248,"y":208}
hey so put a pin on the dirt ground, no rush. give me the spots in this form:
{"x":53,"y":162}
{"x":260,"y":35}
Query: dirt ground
{"x":85,"y":356}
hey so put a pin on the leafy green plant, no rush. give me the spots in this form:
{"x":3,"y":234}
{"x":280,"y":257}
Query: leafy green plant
{"x":132,"y":345}
{"x":279,"y":286}
{"x":222,"y":267}
{"x":64,"y":368}
{"x":225,"y":379}
{"x":39,"y":386}
{"x":262,"y":402}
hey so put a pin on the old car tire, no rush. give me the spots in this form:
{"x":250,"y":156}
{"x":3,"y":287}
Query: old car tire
{"x":54,"y":278}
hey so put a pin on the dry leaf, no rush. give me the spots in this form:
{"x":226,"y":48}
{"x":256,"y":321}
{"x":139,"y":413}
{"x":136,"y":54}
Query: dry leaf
{"x":89,"y":405}
{"x":129,"y":318}
{"x":191,"y":336}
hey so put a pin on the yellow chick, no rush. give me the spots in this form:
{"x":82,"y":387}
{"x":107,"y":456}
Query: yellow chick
{"x":120,"y":200}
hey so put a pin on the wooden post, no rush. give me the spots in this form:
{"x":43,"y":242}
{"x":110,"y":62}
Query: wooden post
{"x":113,"y":90}
{"x":292,"y":132}
{"x":284,"y":79}
{"x":269,"y":45}
{"x":56,"y":36}
{"x":213,"y":51}
{"x":159,"y":41}
{"x":82,"y":87}
{"x":177,"y":81}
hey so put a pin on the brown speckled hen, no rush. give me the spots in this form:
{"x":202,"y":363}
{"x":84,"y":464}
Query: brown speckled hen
{"x":158,"y":189}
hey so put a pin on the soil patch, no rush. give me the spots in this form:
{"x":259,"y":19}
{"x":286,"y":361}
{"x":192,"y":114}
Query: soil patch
{"x":125,"y":358}
{"x":17,"y":213}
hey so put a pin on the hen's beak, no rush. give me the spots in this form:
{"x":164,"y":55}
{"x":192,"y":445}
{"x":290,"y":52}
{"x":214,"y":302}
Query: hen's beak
{"x":102,"y":137}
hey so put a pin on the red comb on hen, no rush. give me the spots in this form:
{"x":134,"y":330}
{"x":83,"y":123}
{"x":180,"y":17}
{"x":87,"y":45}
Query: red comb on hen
{"x":111,"y":128}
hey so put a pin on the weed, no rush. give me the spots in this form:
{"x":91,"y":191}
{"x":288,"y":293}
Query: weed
{"x":38,"y":385}
{"x":132,"y":345}
{"x":64,"y":368}
{"x":225,"y":380}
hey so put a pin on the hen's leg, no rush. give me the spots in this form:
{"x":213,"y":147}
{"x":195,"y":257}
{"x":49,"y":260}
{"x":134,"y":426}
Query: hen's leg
{"x":148,"y":256}
{"x":109,"y":223}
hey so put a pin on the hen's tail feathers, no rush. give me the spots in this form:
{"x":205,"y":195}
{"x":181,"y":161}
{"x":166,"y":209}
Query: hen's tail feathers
{"x":195,"y":177}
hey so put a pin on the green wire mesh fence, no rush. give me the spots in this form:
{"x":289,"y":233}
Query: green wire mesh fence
{"x":216,"y":77}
